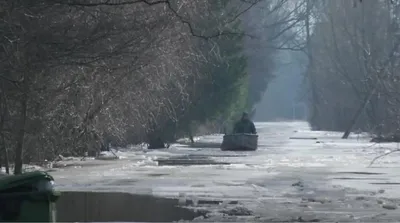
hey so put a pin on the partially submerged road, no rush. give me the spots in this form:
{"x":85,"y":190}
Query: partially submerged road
{"x":296,"y":175}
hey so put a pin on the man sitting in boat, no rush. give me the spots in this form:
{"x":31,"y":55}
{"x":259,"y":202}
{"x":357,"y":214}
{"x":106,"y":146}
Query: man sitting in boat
{"x":245,"y":125}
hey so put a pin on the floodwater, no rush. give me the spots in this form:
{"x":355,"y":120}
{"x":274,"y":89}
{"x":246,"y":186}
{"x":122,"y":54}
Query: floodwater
{"x":295,"y":175}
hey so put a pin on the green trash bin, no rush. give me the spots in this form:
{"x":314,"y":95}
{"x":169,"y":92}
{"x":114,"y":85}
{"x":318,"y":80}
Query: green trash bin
{"x":28,"y":197}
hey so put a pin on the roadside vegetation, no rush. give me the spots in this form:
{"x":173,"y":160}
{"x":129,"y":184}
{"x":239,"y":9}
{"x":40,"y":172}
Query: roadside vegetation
{"x":78,"y":75}
{"x":353,"y":67}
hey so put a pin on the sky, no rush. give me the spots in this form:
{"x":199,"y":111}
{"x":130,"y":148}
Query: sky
{"x":282,"y":99}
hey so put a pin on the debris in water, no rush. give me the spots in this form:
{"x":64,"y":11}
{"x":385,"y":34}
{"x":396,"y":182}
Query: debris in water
{"x":359,"y":198}
{"x":389,"y":206}
{"x":298,"y":184}
{"x":309,"y":138}
{"x":300,"y":219}
{"x":360,"y":173}
{"x":188,"y":160}
{"x":238,"y":211}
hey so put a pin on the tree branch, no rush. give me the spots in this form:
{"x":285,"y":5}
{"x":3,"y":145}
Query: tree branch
{"x":192,"y":30}
{"x":383,"y":155}
{"x":111,"y":2}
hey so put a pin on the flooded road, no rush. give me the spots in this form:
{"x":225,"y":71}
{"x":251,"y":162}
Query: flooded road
{"x":295,"y":175}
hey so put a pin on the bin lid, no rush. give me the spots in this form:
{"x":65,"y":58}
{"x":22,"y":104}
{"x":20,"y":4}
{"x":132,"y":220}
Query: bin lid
{"x":11,"y":181}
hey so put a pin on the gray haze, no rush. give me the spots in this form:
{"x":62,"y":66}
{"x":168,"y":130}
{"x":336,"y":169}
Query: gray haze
{"x":285,"y":95}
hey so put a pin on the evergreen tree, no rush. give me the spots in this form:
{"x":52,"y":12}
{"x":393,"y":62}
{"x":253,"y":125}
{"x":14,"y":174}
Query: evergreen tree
{"x":223,"y":93}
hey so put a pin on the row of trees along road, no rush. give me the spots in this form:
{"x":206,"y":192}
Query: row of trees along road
{"x":353,"y":50}
{"x":75,"y":74}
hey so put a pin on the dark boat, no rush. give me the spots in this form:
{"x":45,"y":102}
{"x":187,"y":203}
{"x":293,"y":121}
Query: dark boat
{"x":240,"y":142}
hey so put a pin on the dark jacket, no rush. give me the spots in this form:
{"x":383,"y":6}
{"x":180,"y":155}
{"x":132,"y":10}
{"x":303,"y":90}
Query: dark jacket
{"x":245,"y":126}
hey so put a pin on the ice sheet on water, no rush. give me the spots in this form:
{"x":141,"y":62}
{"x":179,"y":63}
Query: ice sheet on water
{"x":159,"y":153}
{"x":277,"y":155}
{"x":187,"y":140}
{"x":234,"y":166}
{"x":25,"y":168}
{"x":147,"y":162}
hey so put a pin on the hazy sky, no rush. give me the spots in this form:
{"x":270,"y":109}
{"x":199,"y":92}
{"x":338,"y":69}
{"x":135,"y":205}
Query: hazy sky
{"x":284,"y":91}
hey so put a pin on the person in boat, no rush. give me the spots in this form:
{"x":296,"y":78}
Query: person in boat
{"x":245,"y":125}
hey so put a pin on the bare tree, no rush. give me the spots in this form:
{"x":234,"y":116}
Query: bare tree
{"x":355,"y":52}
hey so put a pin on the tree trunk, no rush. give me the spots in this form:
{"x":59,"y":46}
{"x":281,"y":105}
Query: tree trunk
{"x":3,"y":149}
{"x":5,"y":154}
{"x":20,"y":136}
{"x":191,"y":137}
{"x":190,"y":134}
{"x":358,"y":113}
{"x":156,"y":143}
{"x":314,"y":94}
